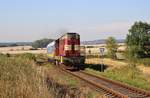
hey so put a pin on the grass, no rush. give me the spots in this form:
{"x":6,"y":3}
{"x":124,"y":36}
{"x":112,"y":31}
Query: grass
{"x":19,"y":78}
{"x":63,"y":84}
{"x":126,"y":74}
{"x":69,"y":85}
{"x":144,"y":61}
{"x":61,"y":78}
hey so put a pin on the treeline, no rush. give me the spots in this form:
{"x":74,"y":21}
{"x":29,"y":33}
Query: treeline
{"x":137,"y":42}
{"x":42,"y":43}
{"x":11,"y":44}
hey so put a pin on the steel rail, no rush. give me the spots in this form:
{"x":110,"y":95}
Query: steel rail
{"x":121,"y":90}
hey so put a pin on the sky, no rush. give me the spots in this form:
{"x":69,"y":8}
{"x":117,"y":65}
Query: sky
{"x":29,"y":20}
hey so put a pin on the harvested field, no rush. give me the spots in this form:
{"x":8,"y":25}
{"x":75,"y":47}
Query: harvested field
{"x":116,"y":64}
{"x":27,"y":51}
{"x":20,"y":50}
{"x":144,"y":69}
{"x":106,"y":61}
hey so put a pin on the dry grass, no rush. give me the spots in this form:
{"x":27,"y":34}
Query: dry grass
{"x":106,"y":61}
{"x":144,"y":69}
{"x":19,"y":78}
{"x":15,"y":48}
{"x":27,"y":51}
{"x":117,"y":64}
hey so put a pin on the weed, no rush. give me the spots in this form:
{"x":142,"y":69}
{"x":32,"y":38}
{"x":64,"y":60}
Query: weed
{"x":126,"y":74}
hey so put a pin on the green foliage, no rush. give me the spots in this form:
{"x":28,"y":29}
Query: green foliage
{"x":144,"y":61}
{"x":42,"y":43}
{"x":137,"y":40}
{"x":111,"y":46}
{"x":131,"y":55}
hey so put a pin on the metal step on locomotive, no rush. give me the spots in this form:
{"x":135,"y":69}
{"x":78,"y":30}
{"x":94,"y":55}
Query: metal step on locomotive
{"x":66,"y":50}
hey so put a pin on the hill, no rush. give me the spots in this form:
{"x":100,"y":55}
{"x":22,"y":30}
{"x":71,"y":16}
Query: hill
{"x":101,"y":41}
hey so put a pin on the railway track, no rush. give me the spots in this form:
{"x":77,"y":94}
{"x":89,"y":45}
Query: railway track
{"x":110,"y":88}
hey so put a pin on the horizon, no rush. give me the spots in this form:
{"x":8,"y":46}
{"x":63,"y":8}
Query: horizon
{"x":30,"y":20}
{"x":54,"y":39}
{"x":58,"y":37}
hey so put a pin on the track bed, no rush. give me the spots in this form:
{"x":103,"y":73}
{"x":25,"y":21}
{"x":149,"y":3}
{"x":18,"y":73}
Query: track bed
{"x":111,"y":88}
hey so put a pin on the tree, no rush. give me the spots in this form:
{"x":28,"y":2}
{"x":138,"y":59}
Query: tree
{"x":42,"y":43}
{"x":111,"y":46}
{"x":137,"y":39}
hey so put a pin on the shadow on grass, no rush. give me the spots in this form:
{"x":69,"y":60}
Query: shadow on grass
{"x":97,"y":67}
{"x":60,"y":90}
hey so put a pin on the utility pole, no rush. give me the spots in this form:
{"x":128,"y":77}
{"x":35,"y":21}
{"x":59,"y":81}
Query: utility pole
{"x":101,"y":57}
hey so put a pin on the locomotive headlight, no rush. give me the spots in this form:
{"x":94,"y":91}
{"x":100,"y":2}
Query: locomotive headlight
{"x":77,"y":47}
{"x":67,"y":47}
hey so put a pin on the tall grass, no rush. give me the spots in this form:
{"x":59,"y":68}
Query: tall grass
{"x":20,"y":79}
{"x":126,"y":74}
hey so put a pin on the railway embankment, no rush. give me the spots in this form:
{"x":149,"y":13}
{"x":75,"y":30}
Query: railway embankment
{"x":69,"y":86}
{"x":120,"y":71}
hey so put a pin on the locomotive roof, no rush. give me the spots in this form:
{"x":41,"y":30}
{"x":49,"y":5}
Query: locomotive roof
{"x":68,"y":33}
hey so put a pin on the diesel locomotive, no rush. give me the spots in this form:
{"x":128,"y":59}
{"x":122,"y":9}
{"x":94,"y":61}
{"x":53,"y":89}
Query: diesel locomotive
{"x":66,"y":50}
